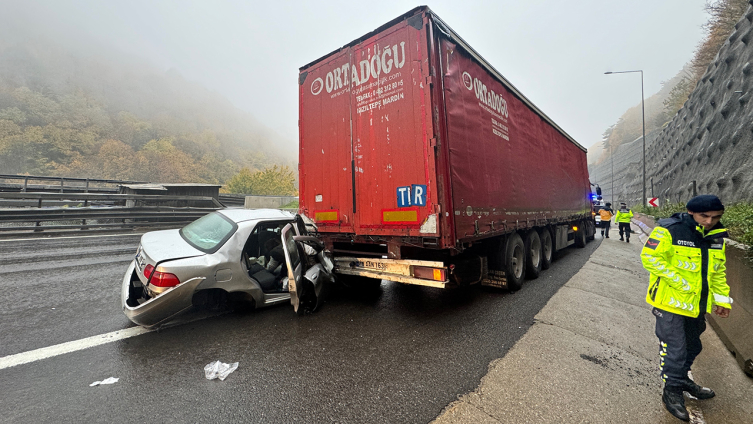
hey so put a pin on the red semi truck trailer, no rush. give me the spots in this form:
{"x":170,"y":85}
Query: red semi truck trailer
{"x":420,"y":163}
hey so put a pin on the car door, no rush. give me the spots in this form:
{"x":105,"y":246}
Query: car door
{"x":295,"y":268}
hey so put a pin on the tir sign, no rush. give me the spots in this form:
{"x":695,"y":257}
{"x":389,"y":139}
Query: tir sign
{"x":414,"y":195}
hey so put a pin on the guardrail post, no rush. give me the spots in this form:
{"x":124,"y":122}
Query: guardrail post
{"x":62,"y":185}
{"x":26,"y":183}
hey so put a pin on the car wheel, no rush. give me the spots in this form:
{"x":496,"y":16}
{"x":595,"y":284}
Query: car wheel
{"x":533,"y":255}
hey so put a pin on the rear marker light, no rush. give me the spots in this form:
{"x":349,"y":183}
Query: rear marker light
{"x":332,"y":216}
{"x":575,"y":228}
{"x":400,"y":216}
{"x":436,"y":274}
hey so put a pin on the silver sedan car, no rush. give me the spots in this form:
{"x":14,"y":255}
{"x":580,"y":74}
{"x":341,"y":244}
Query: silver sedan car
{"x":259,"y":257}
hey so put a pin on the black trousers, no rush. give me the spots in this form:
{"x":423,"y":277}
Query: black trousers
{"x":625,"y":226}
{"x":605,"y":227}
{"x":679,"y":344}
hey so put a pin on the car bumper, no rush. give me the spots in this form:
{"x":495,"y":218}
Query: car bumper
{"x":162,"y":308}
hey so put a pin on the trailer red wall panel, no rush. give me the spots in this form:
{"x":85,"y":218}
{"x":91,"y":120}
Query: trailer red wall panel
{"x":407,"y":132}
{"x":507,"y":164}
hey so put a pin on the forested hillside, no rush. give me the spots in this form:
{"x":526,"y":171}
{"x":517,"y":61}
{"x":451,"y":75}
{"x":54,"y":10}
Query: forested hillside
{"x":68,"y":113}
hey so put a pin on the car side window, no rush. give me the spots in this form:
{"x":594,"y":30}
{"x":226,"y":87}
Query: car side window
{"x":263,"y":239}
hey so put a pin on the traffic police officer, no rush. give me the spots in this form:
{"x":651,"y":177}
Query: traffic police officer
{"x":685,"y":256}
{"x":606,"y":218}
{"x":622,"y":218}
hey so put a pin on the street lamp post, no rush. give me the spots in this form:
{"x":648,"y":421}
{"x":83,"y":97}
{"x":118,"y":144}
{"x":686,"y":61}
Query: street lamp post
{"x":643,"y":115}
{"x":612,"y":155}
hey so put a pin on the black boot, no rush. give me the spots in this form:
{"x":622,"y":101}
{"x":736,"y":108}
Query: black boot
{"x":622,"y":239}
{"x":697,"y":391}
{"x":675,"y":403}
{"x":627,"y":240}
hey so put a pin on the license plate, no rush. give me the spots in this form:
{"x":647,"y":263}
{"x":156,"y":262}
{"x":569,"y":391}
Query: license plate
{"x":140,"y":261}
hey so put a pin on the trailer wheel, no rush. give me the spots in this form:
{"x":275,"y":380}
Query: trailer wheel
{"x":546,"y":248}
{"x":580,"y":235}
{"x":514,"y":261}
{"x":533,"y":255}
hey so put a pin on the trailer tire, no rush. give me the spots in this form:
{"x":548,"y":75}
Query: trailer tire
{"x":515,"y":260}
{"x":546,"y":248}
{"x":533,"y":255}
{"x":580,"y":235}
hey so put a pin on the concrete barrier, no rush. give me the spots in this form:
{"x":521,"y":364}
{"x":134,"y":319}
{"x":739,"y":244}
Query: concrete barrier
{"x":736,"y":332}
{"x":272,"y":202}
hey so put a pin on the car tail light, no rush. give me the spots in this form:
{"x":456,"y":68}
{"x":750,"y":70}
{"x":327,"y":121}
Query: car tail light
{"x":436,"y":274}
{"x":164,"y":279}
{"x":160,"y":279}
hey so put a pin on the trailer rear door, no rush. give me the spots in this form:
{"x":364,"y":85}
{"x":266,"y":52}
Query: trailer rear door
{"x":326,"y":159}
{"x":367,"y":144}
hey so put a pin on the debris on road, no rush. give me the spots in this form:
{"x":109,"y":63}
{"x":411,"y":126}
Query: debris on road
{"x":110,"y":380}
{"x":219,"y":370}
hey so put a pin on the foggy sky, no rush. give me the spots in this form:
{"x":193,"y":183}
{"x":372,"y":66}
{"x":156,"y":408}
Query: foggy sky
{"x":554,"y":52}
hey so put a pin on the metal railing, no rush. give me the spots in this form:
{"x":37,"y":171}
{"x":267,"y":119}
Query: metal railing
{"x":101,"y":212}
{"x":62,"y":204}
{"x":21,"y":184}
{"x":60,"y":184}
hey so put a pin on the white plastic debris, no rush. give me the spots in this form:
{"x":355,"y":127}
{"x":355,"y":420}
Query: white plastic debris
{"x":110,"y":380}
{"x":219,"y":370}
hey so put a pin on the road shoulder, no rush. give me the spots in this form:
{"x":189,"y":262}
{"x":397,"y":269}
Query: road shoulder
{"x":592,"y":356}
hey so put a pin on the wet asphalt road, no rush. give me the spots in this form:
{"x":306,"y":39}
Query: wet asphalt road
{"x":399,"y":355}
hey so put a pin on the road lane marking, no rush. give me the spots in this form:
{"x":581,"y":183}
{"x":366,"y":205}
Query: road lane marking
{"x":68,"y":347}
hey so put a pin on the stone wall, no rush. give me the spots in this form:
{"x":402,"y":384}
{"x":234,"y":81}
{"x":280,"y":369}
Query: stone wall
{"x":710,"y":140}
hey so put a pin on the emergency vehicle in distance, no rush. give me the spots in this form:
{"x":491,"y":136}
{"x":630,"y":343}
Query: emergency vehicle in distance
{"x":421,"y":164}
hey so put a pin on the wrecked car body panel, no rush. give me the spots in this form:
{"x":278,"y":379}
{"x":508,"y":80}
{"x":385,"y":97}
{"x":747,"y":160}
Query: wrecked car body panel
{"x":174,"y":271}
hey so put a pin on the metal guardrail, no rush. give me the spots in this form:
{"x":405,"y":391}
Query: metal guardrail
{"x":61,"y":204}
{"x":99,"y":197}
{"x":60,"y":186}
{"x":20,"y":184}
{"x":100,"y":212}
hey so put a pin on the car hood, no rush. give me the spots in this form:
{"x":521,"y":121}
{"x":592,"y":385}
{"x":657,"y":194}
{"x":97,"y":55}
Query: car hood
{"x":167,"y":244}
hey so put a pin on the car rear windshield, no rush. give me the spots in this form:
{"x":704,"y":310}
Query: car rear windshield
{"x":209,"y":232}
